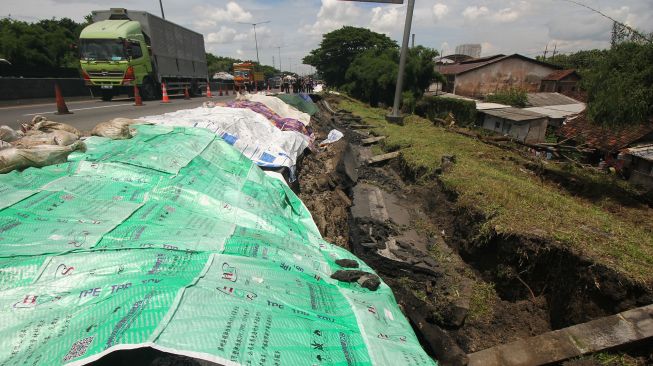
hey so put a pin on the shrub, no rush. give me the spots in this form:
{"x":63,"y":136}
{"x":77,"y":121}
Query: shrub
{"x":431,"y":107}
{"x":515,"y":97}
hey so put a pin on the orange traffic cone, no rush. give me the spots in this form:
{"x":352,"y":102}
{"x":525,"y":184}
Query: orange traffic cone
{"x":164,"y":92}
{"x":62,"y":108}
{"x":220,"y":94}
{"x":186,"y":94}
{"x":208,"y":91}
{"x":138,"y":101}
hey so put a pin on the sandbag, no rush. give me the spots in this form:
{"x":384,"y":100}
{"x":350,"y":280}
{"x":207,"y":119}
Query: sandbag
{"x":38,"y":156}
{"x":5,"y":145}
{"x":55,"y":137}
{"x":115,"y":129}
{"x":8,"y":134}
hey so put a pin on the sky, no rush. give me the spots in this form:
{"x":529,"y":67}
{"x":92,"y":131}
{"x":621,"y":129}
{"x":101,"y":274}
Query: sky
{"x":296,"y":26}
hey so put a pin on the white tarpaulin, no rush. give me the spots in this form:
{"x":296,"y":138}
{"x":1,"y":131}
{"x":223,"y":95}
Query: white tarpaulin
{"x":279,"y":107}
{"x":249,"y":132}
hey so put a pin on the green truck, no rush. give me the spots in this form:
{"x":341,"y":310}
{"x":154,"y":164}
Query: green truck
{"x":124,"y":48}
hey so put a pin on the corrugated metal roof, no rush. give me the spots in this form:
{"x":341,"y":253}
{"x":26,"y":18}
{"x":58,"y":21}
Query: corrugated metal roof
{"x":642,"y":151}
{"x":559,"y":111}
{"x":514,"y":114}
{"x":481,"y":106}
{"x":463,"y":67}
{"x":549,"y":99}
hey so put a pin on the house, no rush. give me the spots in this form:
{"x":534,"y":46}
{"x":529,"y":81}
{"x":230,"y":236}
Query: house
{"x":525,"y":126}
{"x":556,"y":106}
{"x":639,"y":163}
{"x":561,"y":81}
{"x":482,"y":76}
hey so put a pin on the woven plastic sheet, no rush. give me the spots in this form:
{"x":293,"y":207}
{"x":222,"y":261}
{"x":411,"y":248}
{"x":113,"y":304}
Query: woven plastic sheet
{"x":297,"y":101}
{"x":176,"y":241}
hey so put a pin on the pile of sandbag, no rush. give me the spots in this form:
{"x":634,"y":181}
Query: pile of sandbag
{"x":115,"y":129}
{"x":38,"y":143}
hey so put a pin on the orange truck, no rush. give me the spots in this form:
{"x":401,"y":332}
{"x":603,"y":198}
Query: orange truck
{"x":244,"y":76}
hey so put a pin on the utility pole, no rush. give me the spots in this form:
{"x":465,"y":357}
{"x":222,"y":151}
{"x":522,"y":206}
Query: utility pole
{"x":546,"y":50}
{"x":395,"y":117}
{"x":555,"y":47}
{"x":413,"y":46}
{"x":255,"y":39}
{"x":279,"y":48}
{"x":273,"y":64}
{"x":161,"y":5}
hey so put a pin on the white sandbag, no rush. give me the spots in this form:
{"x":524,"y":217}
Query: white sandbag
{"x":279,"y":107}
{"x":246,"y":130}
{"x":115,"y":129}
{"x":8,"y":134}
{"x":37,"y":156}
{"x":5,"y":145}
{"x":55,"y":137}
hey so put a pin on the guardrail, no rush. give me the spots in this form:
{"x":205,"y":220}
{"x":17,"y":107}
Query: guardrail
{"x":25,"y":88}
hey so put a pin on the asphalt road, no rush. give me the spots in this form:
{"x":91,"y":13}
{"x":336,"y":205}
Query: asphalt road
{"x":88,"y":113}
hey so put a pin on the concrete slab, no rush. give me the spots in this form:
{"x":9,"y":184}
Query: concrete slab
{"x":372,"y":140}
{"x":384,"y":157}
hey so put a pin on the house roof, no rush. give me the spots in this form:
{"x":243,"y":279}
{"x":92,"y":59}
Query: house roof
{"x":559,"y":111}
{"x":580,"y":129}
{"x":641,"y":151}
{"x":549,"y":99}
{"x":514,"y":114}
{"x":463,"y":67}
{"x":560,"y":74}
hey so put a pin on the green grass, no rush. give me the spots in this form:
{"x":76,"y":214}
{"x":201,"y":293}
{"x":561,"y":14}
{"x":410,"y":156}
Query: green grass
{"x":515,"y":201}
{"x":481,"y":303}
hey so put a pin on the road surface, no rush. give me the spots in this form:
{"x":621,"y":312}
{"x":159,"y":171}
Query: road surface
{"x":88,"y":113}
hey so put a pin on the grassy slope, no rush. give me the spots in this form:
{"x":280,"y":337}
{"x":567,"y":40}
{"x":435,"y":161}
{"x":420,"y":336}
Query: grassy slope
{"x":516,"y":201}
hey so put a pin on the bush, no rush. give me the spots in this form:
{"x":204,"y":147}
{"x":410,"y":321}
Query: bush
{"x":431,"y":107}
{"x":408,"y":102}
{"x":514,"y":97}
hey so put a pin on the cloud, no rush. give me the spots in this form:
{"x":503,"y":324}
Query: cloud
{"x":334,"y":14}
{"x":210,"y":16}
{"x":440,"y":10}
{"x":505,"y":15}
{"x":224,"y":35}
{"x":386,"y":20}
{"x":473,"y":12}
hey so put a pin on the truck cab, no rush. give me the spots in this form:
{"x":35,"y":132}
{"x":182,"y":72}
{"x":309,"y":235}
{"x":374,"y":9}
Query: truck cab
{"x":113,"y":56}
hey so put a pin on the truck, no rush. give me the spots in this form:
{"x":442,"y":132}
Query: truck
{"x":244,"y":76}
{"x":123,"y":48}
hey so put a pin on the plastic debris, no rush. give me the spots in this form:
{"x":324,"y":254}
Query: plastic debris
{"x":333,"y":136}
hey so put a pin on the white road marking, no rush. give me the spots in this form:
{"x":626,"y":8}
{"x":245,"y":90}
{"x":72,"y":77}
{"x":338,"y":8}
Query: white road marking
{"x":81,"y":109}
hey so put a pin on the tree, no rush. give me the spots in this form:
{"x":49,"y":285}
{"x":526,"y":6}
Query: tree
{"x":620,"y":86}
{"x":339,"y":48}
{"x":372,"y":76}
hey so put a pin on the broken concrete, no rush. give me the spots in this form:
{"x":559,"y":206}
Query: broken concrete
{"x":382,"y":158}
{"x":372,"y":140}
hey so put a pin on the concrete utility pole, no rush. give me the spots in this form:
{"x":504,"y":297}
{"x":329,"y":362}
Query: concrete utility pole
{"x":255,"y":39}
{"x":395,"y":117}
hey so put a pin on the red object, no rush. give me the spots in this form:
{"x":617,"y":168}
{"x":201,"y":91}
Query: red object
{"x":164,"y":92}
{"x":87,"y":78}
{"x":186,"y":94}
{"x":129,"y":76}
{"x":62,"y":108}
{"x":138,"y":101}
{"x":208,"y":91}
{"x":220,"y":90}
{"x":268,"y":86}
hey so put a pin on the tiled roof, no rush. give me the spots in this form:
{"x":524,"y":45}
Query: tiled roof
{"x":559,"y":74}
{"x":581,"y":130}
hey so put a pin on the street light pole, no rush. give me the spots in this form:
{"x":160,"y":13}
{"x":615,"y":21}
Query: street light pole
{"x":395,"y":116}
{"x":255,"y":39}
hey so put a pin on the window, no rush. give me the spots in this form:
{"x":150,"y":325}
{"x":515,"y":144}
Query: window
{"x":101,"y":50}
{"x":497,"y":125}
{"x":136,"y":49}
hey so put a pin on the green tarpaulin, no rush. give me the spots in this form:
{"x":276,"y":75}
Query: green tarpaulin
{"x":174,"y":240}
{"x":299,"y":103}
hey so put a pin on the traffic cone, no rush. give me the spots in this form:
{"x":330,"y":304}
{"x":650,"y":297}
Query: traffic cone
{"x":138,"y":101}
{"x":208,"y":91}
{"x":164,"y":92}
{"x":62,"y":108}
{"x":268,"y":87}
{"x":186,"y":94}
{"x":220,"y":90}
{"x":226,"y":90}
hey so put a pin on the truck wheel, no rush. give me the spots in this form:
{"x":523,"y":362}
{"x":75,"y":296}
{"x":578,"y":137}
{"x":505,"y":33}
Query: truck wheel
{"x":148,"y":90}
{"x":107,"y":95}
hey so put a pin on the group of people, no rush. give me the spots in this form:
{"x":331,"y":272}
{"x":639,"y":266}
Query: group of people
{"x":298,"y":85}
